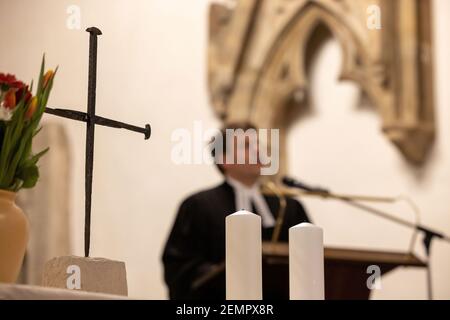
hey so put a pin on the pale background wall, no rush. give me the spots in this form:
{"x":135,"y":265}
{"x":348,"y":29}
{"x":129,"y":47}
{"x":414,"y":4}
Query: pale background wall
{"x":152,"y":69}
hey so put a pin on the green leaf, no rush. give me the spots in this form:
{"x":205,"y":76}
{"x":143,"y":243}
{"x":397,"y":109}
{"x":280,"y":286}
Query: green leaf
{"x":37,"y":132}
{"x":18,"y":154}
{"x":41,"y":76}
{"x":18,"y":166}
{"x":34,"y":159}
{"x":29,"y":176}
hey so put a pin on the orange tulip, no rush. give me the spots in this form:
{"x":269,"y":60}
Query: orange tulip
{"x":31,"y":108}
{"x":47,"y":77}
{"x":10,"y":99}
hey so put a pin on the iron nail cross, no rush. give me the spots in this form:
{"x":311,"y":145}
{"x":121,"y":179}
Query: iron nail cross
{"x":91,"y":120}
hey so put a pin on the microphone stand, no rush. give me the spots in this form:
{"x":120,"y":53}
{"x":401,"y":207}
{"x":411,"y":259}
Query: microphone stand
{"x":352,"y":200}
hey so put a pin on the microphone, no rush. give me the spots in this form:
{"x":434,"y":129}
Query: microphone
{"x":293,"y":183}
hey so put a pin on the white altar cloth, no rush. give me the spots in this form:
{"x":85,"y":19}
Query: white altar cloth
{"x":25,"y":292}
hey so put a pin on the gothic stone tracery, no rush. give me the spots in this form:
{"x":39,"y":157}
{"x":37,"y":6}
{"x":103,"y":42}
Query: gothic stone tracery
{"x":258,"y":51}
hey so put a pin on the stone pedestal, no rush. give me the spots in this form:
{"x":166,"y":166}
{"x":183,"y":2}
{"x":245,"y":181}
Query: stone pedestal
{"x":86,"y":274}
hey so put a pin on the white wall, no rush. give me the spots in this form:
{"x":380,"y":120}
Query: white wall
{"x":152,"y":69}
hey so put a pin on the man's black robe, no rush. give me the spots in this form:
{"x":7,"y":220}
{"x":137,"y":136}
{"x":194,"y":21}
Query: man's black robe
{"x":197,"y":241}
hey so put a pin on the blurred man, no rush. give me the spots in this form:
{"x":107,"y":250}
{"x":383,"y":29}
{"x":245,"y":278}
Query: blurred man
{"x":195,"y":251}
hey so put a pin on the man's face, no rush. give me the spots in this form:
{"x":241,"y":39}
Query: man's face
{"x":245,"y":162}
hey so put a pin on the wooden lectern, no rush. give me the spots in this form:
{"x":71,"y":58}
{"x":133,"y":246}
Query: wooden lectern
{"x":345,"y":270}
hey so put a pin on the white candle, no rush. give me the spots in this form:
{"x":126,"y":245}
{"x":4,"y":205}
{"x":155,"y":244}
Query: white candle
{"x":306,"y":263}
{"x":243,"y":256}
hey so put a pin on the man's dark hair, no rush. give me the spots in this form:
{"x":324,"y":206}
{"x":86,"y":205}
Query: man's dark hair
{"x":245,"y":125}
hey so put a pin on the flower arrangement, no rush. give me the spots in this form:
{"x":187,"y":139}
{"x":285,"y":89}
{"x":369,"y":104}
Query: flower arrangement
{"x":20,"y":115}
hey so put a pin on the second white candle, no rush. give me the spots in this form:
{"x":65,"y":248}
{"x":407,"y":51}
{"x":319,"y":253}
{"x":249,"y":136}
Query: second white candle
{"x":306,"y":263}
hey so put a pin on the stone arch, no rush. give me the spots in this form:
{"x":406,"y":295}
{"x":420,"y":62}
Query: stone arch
{"x":283,"y":75}
{"x":257,"y":50}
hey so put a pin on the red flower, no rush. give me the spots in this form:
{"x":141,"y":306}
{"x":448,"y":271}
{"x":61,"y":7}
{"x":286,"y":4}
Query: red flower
{"x":17,"y":84}
{"x":9,"y":101}
{"x":7,"y":79}
{"x":23,"y":91}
